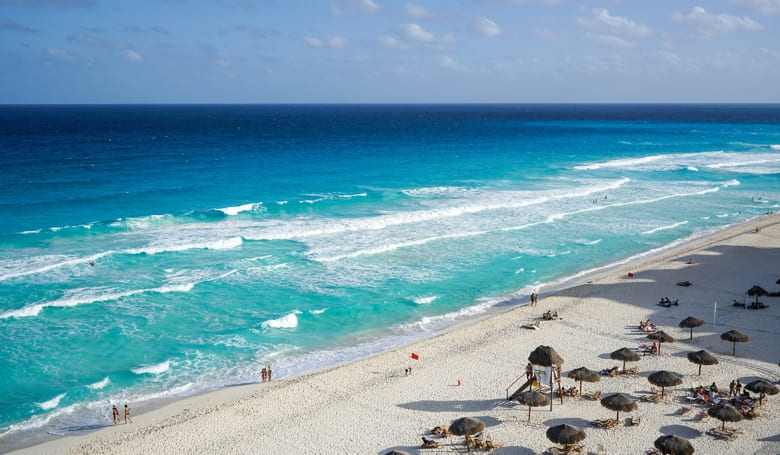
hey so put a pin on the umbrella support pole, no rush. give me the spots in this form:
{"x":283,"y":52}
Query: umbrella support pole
{"x":551,"y":389}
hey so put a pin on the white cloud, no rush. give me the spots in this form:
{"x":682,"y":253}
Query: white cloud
{"x":343,"y":6}
{"x":448,"y":62}
{"x":369,"y":6}
{"x":314,"y":42}
{"x":417,"y":11}
{"x":392,"y":43}
{"x":708,"y":24}
{"x":328,"y":42}
{"x":603,"y":21}
{"x":60,"y":54}
{"x":761,"y":6}
{"x":336,"y":41}
{"x":449,"y":38}
{"x":223,"y":59}
{"x":414,"y":32}
{"x":486,"y":27}
{"x":610,"y":41}
{"x":133,"y":56}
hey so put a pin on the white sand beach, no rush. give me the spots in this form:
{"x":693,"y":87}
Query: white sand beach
{"x":371,"y":407}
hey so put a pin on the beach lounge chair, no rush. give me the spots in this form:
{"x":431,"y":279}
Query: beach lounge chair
{"x":595,"y":396}
{"x":534,"y":326}
{"x":430,"y":444}
{"x":614,"y":371}
{"x":490,"y":445}
{"x":729,"y":434}
{"x":653,"y":398}
{"x":605,"y":423}
{"x":635,"y":420}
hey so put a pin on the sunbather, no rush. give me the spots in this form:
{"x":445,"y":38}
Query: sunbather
{"x":430,"y":443}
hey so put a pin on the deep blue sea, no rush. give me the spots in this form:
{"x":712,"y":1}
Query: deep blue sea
{"x":153,"y":252}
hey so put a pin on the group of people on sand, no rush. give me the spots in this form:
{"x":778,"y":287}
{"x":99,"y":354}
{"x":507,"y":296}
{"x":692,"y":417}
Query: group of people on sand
{"x":534,"y":299}
{"x":550,"y":315}
{"x":115,"y":413}
{"x":704,"y":395}
{"x":266,"y":373}
{"x":665,"y":302}
{"x":646,"y":326}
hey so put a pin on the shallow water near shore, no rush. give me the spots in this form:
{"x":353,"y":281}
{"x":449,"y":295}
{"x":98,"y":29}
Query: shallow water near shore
{"x":153,"y":252}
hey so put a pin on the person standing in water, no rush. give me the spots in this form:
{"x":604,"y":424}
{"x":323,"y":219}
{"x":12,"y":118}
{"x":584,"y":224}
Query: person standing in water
{"x":127,"y":414}
{"x":115,"y":411}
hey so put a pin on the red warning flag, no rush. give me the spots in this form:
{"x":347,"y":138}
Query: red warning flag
{"x":415,"y":356}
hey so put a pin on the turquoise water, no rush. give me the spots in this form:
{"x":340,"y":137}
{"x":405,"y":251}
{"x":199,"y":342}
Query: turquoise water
{"x":154,"y":252}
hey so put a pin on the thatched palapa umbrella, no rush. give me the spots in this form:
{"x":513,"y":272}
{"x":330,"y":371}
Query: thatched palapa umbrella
{"x":547,"y":357}
{"x":757,"y":291}
{"x":618,"y":402}
{"x":565,"y":434}
{"x":661,"y":337}
{"x":531,"y":398}
{"x":725,"y":413}
{"x":664,"y":379}
{"x":735,"y":337}
{"x":466,"y":426}
{"x":702,"y":358}
{"x":626,"y":355}
{"x":673,"y":445}
{"x":583,"y":374}
{"x":762,"y":387}
{"x":690,"y":323}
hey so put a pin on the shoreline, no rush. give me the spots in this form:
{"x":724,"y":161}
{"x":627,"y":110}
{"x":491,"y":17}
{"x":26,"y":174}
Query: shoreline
{"x":383,"y":369}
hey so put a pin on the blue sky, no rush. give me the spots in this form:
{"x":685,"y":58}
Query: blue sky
{"x":365,"y":51}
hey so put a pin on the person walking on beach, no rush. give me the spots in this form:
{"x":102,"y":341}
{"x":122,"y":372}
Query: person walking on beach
{"x":533,"y":299}
{"x":115,"y":411}
{"x":529,"y":371}
{"x":269,"y":372}
{"x":127,"y":414}
{"x":264,"y":374}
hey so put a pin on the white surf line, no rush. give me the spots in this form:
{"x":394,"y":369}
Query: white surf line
{"x":550,"y":219}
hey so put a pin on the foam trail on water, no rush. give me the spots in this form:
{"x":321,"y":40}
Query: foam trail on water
{"x":55,"y":262}
{"x":424,"y":300}
{"x":221,"y":244}
{"x":232,"y":211}
{"x":155,"y":368}
{"x":502,"y":201}
{"x":92,"y":295}
{"x":53,"y":403}
{"x":665,"y":228}
{"x":288,"y":321}
{"x":100,"y":384}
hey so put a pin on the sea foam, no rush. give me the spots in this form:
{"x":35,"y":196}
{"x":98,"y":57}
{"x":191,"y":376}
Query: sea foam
{"x":51,"y":404}
{"x":232,"y":211}
{"x":288,"y":321}
{"x":100,"y":384}
{"x":155,"y":368}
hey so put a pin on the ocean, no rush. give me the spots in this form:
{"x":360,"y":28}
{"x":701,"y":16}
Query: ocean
{"x":149,"y":253}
